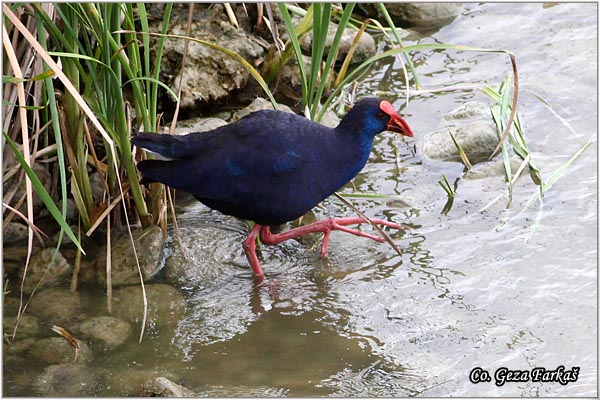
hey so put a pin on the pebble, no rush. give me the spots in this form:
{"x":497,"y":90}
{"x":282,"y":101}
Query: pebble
{"x":163,"y":387}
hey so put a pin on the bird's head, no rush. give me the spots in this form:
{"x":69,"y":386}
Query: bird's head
{"x":372,"y":115}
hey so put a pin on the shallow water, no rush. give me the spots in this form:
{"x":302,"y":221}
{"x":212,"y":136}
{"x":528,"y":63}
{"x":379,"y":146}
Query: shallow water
{"x":499,"y":288}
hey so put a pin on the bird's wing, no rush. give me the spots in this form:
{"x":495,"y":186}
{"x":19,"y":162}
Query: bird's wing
{"x":261,"y":148}
{"x":175,"y":147}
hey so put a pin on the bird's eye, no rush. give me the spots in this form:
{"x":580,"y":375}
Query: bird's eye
{"x":381,"y":114}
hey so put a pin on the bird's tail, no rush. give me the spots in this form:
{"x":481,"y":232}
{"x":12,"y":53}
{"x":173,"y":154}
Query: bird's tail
{"x":165,"y":146}
{"x":151,"y":171}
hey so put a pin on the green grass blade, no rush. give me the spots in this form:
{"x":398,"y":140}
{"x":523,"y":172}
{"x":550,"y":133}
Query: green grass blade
{"x":360,"y":69}
{"x":561,"y":170}
{"x":508,"y":171}
{"x":295,"y":45}
{"x":41,"y":191}
{"x":463,"y":156}
{"x":446,"y":186}
{"x":409,"y":61}
{"x":156,"y":69}
{"x":331,"y":57}
{"x":52,"y":105}
{"x":321,"y":19}
{"x":155,"y":82}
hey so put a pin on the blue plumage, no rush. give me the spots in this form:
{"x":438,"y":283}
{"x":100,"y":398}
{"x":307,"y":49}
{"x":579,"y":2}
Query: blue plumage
{"x":269,"y":167}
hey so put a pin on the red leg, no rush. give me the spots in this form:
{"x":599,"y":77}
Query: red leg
{"x":250,"y":250}
{"x":325,"y":226}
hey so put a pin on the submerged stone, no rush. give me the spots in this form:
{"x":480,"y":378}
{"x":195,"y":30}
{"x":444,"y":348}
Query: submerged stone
{"x":108,"y":332}
{"x":14,"y":232}
{"x":28,"y":326}
{"x":57,"y":350}
{"x":166,"y":305}
{"x":66,"y":380}
{"x":58,"y":307}
{"x":124,"y":269}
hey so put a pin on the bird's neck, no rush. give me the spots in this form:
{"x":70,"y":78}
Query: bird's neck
{"x":352,"y":153}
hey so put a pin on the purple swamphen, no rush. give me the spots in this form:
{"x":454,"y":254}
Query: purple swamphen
{"x":272,"y":167}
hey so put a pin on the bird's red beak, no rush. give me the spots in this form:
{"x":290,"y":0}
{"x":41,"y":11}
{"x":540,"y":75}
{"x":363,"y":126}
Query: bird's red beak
{"x":396,"y":123}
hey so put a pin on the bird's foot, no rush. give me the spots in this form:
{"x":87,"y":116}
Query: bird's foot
{"x":325,"y":226}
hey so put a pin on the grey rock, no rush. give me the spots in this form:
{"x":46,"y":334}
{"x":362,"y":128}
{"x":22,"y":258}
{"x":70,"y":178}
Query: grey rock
{"x":98,"y":192}
{"x":14,"y":232}
{"x":208,"y":75}
{"x":291,"y":76}
{"x":493,"y":168}
{"x":72,"y":215}
{"x":72,"y":212}
{"x":474,"y":131}
{"x":472,"y":110}
{"x":258,"y":104}
{"x":57,"y":350}
{"x":45,"y":178}
{"x":20,"y":346}
{"x":65,"y":241}
{"x":163,"y":387}
{"x":330,"y":119}
{"x":58,"y":307}
{"x":124,"y":270}
{"x":13,"y":260}
{"x":399,"y":203}
{"x":129,"y":382}
{"x":166,"y":306}
{"x":55,"y":270}
{"x":66,"y":380}
{"x":109,"y":332}
{"x":364,"y":49}
{"x":415,"y":14}
{"x":198,"y":125}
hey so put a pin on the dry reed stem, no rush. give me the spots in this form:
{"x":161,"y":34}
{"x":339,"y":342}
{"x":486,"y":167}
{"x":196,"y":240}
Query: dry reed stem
{"x":12,"y":58}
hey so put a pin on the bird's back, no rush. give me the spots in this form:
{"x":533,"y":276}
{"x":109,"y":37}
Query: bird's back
{"x":270,"y":167}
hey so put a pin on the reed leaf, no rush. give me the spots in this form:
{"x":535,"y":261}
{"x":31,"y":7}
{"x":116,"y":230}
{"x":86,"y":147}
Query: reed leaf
{"x":344,"y":68}
{"x":293,"y":45}
{"x":360,"y":69}
{"x":409,"y":61}
{"x":316,"y":92}
{"x":42,"y":193}
{"x":558,"y":173}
